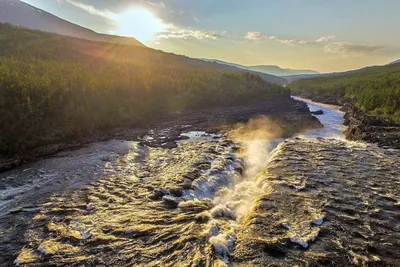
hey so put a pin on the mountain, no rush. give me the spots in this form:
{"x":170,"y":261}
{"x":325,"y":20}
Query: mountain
{"x":21,"y":14}
{"x":395,"y":62}
{"x":267,"y":69}
{"x":278,"y":71}
{"x":236,"y":67}
{"x":266,"y":77}
{"x":55,"y":87}
{"x":291,"y":78}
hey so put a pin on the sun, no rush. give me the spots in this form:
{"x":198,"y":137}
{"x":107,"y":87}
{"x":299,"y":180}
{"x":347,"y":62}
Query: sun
{"x":139,"y":23}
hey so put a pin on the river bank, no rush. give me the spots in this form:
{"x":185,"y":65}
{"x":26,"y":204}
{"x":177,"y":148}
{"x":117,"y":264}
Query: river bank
{"x":362,"y":126}
{"x":165,"y":130}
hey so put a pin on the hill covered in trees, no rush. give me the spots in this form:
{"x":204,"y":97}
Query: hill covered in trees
{"x":375,"y":90}
{"x":55,"y":87}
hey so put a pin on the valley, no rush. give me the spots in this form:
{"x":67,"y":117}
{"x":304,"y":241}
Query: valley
{"x":166,"y":133}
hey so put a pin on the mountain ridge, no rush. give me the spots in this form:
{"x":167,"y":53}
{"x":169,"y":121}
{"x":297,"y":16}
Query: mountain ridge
{"x":24,"y":15}
{"x":267,"y":69}
{"x":276,"y":70}
{"x":395,"y":62}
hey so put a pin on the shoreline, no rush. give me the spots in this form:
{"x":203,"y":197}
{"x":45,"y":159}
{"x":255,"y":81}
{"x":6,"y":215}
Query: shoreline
{"x":163,"y":131}
{"x":362,"y":126}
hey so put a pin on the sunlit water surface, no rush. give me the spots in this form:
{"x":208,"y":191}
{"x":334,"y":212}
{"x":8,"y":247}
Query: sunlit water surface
{"x":218,"y":200}
{"x":332,"y":119}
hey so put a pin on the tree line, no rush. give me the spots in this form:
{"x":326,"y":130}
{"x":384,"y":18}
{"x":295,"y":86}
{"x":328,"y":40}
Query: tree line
{"x":375,"y":89}
{"x":53,"y":88}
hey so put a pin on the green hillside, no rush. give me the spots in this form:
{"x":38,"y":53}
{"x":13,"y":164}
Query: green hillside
{"x":54,"y":87}
{"x":375,"y":89}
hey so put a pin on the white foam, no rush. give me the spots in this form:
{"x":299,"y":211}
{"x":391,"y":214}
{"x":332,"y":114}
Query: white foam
{"x":222,"y":211}
{"x":223,"y":245}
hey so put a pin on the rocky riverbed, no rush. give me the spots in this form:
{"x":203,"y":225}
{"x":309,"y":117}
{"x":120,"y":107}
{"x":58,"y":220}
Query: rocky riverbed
{"x":372,"y":129}
{"x":363,"y":126}
{"x":245,"y":196}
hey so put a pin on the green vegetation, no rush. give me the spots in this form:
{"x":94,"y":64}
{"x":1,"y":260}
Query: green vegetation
{"x":53,"y":88}
{"x":376,"y":89}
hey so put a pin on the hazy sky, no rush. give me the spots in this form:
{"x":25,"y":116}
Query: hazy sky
{"x":324,"y":35}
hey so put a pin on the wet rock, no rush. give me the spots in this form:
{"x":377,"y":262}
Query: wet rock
{"x":318,"y":112}
{"x":371,"y":129}
{"x":175,"y":191}
{"x":192,"y":175}
{"x":274,"y":250}
{"x":171,"y":202}
{"x":169,"y":145}
{"x":106,"y":230}
{"x":6,"y":164}
{"x":187,"y":184}
{"x":182,"y":137}
{"x":156,"y":195}
{"x":212,"y":151}
{"x":105,"y":158}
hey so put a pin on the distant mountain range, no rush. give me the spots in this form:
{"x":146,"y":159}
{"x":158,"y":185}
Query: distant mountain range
{"x":278,"y":71}
{"x":268,"y":69}
{"x":21,"y":14}
{"x":266,"y":77}
{"x":292,"y":78}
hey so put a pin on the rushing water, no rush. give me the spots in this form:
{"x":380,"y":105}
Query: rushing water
{"x":241,"y":199}
{"x":332,"y":119}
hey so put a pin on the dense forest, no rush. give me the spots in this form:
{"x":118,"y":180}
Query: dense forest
{"x":54,"y":87}
{"x":375,"y":90}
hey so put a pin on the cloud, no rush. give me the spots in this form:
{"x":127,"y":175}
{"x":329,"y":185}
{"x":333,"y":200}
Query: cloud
{"x":292,"y":42}
{"x":170,"y":31}
{"x":88,"y":8}
{"x":177,"y":33}
{"x":329,"y":46}
{"x":349,"y":48}
{"x":160,"y":5}
{"x":258,"y":36}
{"x":325,"y":39}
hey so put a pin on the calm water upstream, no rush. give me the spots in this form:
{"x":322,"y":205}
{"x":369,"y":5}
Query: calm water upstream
{"x":332,"y":119}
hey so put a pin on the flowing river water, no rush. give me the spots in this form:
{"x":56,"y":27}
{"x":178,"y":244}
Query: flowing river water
{"x":245,"y":198}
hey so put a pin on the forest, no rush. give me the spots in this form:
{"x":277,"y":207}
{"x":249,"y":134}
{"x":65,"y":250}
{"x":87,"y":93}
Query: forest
{"x":375,"y":90}
{"x":53,"y":88}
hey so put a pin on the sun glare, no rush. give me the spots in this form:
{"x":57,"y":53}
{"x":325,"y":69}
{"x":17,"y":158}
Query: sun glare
{"x":139,"y":23}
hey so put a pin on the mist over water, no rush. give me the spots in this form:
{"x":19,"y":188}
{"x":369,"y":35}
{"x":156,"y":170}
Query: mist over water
{"x":258,"y":140}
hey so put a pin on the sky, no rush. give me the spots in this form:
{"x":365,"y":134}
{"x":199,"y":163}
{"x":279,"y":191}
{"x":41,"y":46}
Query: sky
{"x":322,"y":35}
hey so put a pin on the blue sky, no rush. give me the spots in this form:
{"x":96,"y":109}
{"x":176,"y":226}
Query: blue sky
{"x":324,"y":35}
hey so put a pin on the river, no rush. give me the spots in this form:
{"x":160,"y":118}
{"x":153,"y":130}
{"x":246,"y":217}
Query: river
{"x":238,"y":199}
{"x":332,"y":119}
